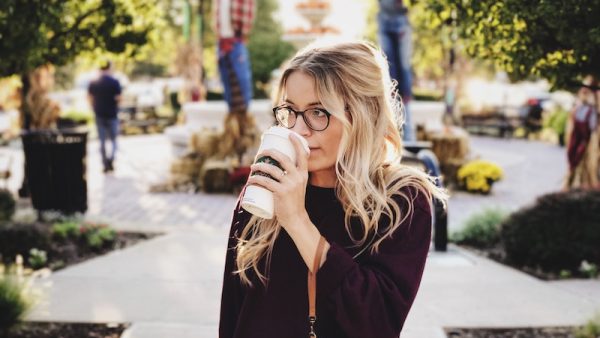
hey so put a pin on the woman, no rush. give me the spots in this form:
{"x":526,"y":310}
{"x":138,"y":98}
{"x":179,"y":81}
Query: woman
{"x":373,"y":215}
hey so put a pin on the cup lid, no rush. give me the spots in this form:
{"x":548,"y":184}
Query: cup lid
{"x":285,"y":132}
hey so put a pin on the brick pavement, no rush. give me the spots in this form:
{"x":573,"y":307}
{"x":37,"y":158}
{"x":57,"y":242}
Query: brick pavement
{"x":123,"y":199}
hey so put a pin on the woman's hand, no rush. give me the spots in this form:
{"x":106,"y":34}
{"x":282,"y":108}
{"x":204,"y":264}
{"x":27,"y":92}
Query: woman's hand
{"x":288,"y":185}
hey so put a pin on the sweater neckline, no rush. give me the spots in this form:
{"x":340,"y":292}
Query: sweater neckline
{"x":321,"y":193}
{"x":320,"y":189}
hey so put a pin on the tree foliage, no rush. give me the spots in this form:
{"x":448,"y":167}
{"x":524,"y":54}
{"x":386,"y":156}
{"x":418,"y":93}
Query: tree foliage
{"x":266,"y":48}
{"x":557,"y":40}
{"x":37,"y":32}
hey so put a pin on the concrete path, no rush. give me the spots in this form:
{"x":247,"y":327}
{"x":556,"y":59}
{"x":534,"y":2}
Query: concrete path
{"x":170,"y":286}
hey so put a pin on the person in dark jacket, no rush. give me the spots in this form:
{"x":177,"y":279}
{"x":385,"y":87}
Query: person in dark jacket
{"x":104,"y":94}
{"x":370,"y":215}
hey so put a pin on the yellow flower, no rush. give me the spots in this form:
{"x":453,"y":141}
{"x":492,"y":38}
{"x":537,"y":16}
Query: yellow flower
{"x":478,"y":175}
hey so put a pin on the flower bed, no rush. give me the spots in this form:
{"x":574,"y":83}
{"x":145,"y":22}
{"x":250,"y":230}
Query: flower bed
{"x":66,"y":330}
{"x":542,"y":332}
{"x":61,"y":244}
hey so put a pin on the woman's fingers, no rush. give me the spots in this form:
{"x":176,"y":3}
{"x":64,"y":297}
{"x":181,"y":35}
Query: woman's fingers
{"x":263,"y":181}
{"x":284,"y":161}
{"x":269,"y":169}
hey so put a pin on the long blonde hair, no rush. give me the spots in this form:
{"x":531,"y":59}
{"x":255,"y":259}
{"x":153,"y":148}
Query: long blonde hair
{"x":352,"y":83}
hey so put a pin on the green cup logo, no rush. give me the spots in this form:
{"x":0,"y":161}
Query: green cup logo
{"x":267,"y":160}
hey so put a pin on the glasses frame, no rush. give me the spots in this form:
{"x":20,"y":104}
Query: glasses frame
{"x":301,"y":112}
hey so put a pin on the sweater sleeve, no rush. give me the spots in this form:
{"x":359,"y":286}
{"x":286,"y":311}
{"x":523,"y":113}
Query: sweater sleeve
{"x":372,"y":298}
{"x":232,"y":294}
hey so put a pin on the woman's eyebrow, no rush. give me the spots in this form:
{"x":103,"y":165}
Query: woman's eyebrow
{"x":310,"y":104}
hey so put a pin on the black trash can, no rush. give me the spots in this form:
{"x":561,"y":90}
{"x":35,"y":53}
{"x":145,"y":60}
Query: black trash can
{"x":55,"y":165}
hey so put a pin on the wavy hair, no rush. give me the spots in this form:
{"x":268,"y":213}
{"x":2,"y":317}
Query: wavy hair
{"x":353,"y":83}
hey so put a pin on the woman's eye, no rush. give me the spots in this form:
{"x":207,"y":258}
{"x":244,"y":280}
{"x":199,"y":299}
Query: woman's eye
{"x":317,"y":113}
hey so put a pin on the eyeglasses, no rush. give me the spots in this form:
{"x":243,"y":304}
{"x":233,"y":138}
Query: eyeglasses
{"x":316,"y":119}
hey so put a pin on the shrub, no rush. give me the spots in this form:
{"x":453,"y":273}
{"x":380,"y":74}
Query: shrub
{"x":37,"y":258}
{"x":93,"y":235}
{"x":590,"y":330}
{"x":557,"y":121}
{"x":7,"y":205}
{"x":66,"y":229}
{"x":478,"y":176}
{"x":98,"y":235}
{"x":481,"y":230}
{"x":557,"y":233}
{"x":13,"y":303}
{"x":18,"y":239}
{"x":589,"y":270}
{"x":79,"y":116}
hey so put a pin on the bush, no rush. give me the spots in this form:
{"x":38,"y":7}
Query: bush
{"x":558,"y":233}
{"x":95,"y":236}
{"x":557,"y":121}
{"x":65,"y":230}
{"x":18,"y":239}
{"x":78,"y":116}
{"x":423,"y":94}
{"x":98,"y":235}
{"x":7,"y":205}
{"x":590,"y":330}
{"x":481,"y":230}
{"x":37,"y":258}
{"x":13,"y":303}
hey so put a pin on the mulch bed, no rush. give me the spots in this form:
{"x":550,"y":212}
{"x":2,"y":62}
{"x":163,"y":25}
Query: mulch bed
{"x":123,"y":240}
{"x":61,"y":253}
{"x":497,"y":254}
{"x":66,"y":330}
{"x":526,"y":332}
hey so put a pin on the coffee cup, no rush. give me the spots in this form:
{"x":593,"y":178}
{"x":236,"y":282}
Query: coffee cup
{"x":258,"y":200}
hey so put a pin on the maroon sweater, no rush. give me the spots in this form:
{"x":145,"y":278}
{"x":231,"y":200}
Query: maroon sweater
{"x":368,"y":296}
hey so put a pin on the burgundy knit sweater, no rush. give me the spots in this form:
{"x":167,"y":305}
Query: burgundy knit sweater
{"x":367,"y":296}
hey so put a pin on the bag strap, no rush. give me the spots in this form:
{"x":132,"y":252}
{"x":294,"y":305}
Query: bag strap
{"x":312,"y":289}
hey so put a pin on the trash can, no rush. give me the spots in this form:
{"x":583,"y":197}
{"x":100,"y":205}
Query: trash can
{"x":55,"y":166}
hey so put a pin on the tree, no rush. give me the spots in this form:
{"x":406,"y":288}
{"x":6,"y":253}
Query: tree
{"x":266,"y":48}
{"x":530,"y":38}
{"x":36,"y":33}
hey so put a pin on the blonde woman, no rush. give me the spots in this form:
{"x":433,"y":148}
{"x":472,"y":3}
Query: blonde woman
{"x":361,"y":216}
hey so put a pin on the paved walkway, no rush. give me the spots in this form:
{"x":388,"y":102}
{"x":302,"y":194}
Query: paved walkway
{"x":170,"y":286}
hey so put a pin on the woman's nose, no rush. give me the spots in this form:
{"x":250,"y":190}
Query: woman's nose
{"x":301,"y":128}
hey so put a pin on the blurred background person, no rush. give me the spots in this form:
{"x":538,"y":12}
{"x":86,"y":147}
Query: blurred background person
{"x":104,"y":94}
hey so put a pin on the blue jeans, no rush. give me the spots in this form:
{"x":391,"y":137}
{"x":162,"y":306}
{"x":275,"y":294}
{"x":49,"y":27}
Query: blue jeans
{"x":107,"y":127}
{"x":395,"y":37}
{"x":240,"y":60}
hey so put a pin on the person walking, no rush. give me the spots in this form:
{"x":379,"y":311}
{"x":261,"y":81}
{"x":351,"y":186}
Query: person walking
{"x":104,"y":94}
{"x":344,"y":254}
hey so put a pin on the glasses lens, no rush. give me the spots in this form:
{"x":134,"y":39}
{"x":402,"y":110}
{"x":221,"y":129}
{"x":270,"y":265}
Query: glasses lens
{"x":285,"y":116}
{"x":317,"y":119}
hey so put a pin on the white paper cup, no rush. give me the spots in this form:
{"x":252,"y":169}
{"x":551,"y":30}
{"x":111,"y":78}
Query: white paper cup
{"x":258,"y":200}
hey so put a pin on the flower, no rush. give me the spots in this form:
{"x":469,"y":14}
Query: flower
{"x":478,"y":175}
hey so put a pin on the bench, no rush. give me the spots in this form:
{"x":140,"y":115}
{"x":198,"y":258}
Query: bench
{"x":497,"y":124}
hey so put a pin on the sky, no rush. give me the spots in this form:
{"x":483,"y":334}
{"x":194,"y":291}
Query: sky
{"x":349,"y":16}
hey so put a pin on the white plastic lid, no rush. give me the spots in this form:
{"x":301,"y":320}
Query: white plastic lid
{"x":284,"y":132}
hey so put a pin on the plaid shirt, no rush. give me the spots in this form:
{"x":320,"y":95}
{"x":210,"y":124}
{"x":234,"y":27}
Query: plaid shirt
{"x":242,"y":14}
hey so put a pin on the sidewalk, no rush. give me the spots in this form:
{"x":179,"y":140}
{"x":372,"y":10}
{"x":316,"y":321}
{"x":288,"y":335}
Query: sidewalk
{"x":170,"y":286}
